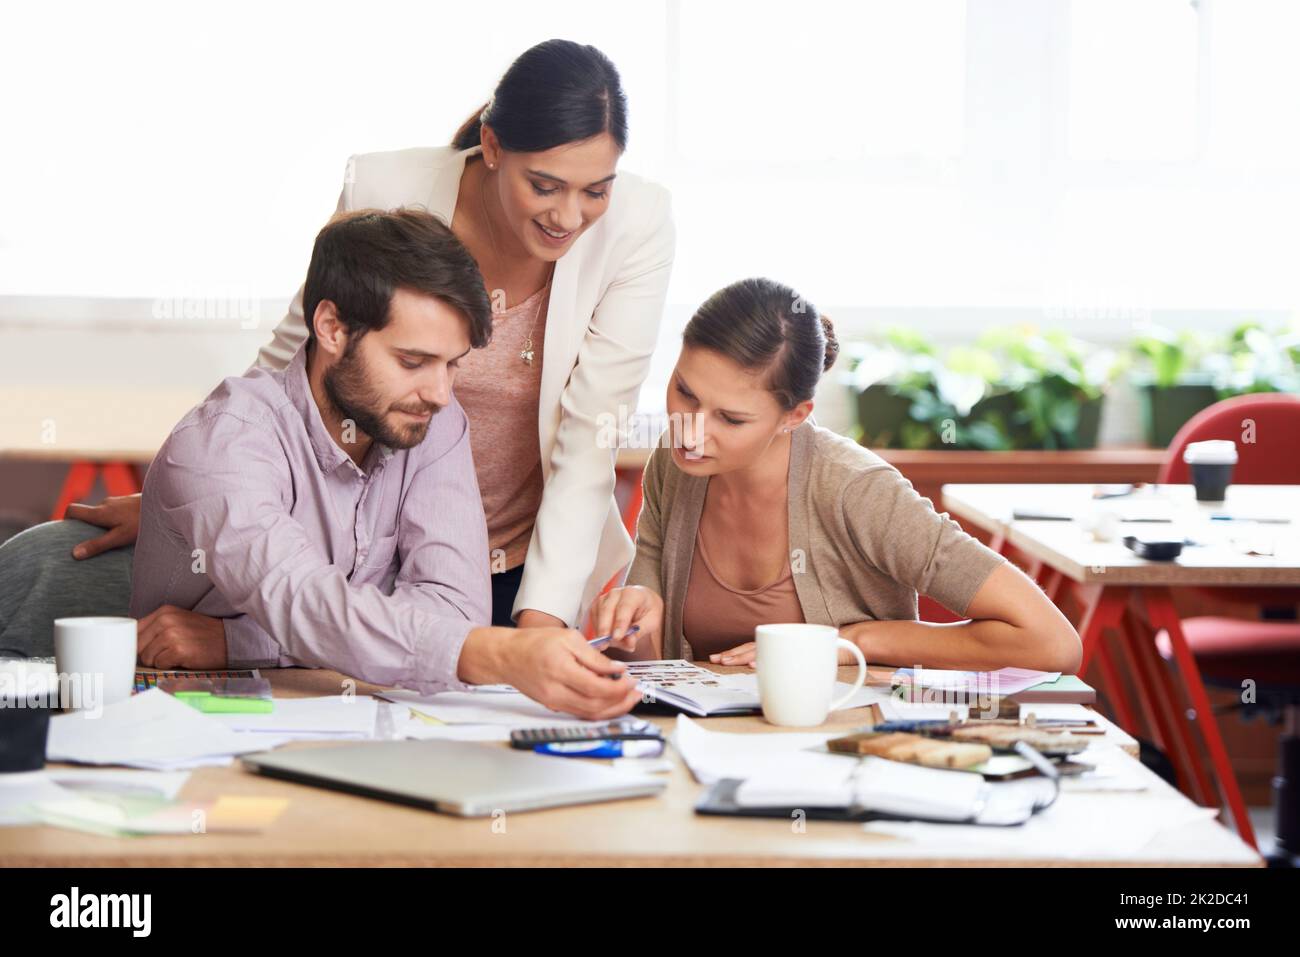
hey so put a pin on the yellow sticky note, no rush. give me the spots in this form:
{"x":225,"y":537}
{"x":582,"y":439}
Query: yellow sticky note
{"x":244,"y":813}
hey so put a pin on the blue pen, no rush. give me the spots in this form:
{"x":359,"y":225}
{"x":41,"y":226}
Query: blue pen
{"x":651,"y":748}
{"x":603,"y":640}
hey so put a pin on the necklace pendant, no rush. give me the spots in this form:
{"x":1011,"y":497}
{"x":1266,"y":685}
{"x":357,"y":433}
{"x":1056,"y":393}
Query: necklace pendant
{"x":526,"y":353}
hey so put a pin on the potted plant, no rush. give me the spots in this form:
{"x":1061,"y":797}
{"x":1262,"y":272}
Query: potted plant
{"x":1174,"y":380}
{"x":1014,"y":388}
{"x":1181,"y":373}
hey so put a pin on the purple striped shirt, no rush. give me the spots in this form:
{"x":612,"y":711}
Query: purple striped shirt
{"x":253,"y":514}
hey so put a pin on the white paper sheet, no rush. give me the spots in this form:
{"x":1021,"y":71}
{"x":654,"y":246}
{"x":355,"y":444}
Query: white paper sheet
{"x":351,"y":716}
{"x":1076,"y":827}
{"x":20,"y":789}
{"x":466,"y":707}
{"x":423,"y":731}
{"x":713,"y":755}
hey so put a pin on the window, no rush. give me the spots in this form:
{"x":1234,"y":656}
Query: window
{"x":1067,"y":158}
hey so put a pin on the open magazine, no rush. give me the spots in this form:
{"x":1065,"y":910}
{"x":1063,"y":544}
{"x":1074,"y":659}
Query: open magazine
{"x":687,"y":687}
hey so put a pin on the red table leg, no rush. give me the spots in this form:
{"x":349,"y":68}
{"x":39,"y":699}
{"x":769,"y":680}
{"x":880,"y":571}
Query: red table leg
{"x":1162,"y":614}
{"x":1176,"y":733}
{"x":77,"y":485}
{"x":1103,"y":609}
{"x":120,"y":478}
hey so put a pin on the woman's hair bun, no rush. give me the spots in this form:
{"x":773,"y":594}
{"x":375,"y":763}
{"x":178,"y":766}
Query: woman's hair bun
{"x":832,"y":344}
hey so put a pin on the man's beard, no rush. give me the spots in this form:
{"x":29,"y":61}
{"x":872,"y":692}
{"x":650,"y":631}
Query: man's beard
{"x":354,"y":397}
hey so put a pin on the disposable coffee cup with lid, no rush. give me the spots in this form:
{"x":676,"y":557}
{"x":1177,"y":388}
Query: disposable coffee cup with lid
{"x":1211,"y":463}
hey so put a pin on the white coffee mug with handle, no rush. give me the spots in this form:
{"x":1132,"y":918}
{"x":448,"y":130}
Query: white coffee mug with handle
{"x":797,"y":667}
{"x":95,"y":659}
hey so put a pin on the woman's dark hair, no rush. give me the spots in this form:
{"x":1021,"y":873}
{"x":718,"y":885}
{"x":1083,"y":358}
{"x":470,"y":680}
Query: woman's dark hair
{"x":555,"y":93}
{"x":363,"y":256}
{"x":765,"y":326}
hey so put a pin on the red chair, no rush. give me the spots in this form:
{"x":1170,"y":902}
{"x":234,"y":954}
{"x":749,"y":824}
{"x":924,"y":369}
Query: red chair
{"x":1229,"y":651}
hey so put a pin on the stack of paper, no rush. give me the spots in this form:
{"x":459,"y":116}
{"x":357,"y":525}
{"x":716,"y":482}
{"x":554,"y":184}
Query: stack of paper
{"x":150,"y":730}
{"x":18,"y":792}
{"x":117,"y":816}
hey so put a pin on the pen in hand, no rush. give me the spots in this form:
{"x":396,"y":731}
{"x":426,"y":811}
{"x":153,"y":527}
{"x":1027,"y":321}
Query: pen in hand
{"x":603,"y":640}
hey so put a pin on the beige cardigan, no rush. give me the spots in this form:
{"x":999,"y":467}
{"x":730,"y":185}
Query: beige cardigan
{"x":863,"y":543}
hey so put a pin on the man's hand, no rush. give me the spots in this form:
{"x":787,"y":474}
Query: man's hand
{"x":120,"y":514}
{"x":172,"y":637}
{"x":620,"y":608}
{"x":554,"y":666}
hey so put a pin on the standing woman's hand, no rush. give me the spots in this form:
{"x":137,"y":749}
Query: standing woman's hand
{"x":120,"y":514}
{"x":620,"y":608}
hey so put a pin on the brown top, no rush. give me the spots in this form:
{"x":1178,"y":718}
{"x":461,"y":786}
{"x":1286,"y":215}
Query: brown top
{"x":499,"y":391}
{"x":862,"y":541}
{"x":717,"y":616}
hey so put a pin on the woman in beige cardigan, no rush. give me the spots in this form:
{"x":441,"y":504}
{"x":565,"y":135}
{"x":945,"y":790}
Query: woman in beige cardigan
{"x":753,"y":514}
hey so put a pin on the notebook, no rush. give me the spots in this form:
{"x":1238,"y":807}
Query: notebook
{"x":877,"y":789}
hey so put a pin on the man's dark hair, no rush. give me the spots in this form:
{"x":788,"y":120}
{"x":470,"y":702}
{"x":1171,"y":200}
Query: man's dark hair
{"x":361,"y":257}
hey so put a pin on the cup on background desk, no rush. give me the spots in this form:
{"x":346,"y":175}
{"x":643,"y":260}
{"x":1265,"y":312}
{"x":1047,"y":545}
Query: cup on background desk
{"x":1211,"y":465}
{"x":95,"y":660}
{"x":797,"y":666}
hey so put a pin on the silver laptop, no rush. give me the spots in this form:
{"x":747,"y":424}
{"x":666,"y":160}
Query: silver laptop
{"x":472,"y":780}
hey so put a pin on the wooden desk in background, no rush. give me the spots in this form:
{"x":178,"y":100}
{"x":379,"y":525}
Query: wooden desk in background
{"x":115,"y":433}
{"x":322,"y":827}
{"x":108,"y":432}
{"x":1132,"y":596}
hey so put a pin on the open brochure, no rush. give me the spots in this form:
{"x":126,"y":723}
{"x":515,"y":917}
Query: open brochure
{"x":688,"y":687}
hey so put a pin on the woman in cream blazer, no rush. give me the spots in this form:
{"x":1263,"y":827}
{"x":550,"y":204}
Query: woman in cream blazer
{"x":606,"y":299}
{"x":606,"y":302}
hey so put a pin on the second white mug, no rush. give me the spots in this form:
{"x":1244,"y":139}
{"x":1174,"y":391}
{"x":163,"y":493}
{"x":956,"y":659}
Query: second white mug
{"x":797,"y":667}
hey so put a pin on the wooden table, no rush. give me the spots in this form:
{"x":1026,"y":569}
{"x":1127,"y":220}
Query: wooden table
{"x":1132,"y":596}
{"x":322,"y":827}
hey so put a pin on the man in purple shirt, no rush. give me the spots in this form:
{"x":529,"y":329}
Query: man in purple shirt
{"x":328,"y":515}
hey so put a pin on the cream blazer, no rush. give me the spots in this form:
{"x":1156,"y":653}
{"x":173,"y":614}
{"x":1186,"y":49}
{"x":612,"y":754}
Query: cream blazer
{"x":607,"y":301}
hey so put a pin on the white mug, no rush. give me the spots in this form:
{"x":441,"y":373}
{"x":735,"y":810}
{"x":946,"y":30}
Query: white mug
{"x":797,"y":666}
{"x":95,"y":660}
